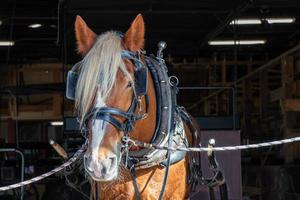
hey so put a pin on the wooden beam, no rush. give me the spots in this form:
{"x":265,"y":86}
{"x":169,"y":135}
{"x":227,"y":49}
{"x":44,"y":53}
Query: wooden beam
{"x":290,"y":105}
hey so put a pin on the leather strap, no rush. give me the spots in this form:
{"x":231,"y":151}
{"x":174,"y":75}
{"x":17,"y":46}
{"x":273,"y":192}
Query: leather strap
{"x":107,"y":114}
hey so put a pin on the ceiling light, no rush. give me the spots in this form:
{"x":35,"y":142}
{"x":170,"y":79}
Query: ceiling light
{"x":0,"y":22}
{"x":7,"y":43}
{"x":245,"y":21}
{"x":286,"y":20}
{"x":34,"y":25}
{"x":237,"y":42}
{"x":57,"y":123}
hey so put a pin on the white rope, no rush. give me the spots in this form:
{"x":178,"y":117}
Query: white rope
{"x":45,"y":175}
{"x":147,"y":145}
{"x":224,"y":148}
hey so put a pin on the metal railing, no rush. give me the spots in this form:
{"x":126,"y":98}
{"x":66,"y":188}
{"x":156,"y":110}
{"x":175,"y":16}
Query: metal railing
{"x":22,"y":165}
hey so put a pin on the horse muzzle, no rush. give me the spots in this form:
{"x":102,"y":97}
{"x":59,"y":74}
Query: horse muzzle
{"x":105,"y":169}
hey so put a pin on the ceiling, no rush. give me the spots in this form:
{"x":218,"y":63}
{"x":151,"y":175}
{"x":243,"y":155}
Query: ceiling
{"x":186,"y":26}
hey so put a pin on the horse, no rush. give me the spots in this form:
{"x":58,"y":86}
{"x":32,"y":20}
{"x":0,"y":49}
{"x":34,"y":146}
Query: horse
{"x":116,"y":101}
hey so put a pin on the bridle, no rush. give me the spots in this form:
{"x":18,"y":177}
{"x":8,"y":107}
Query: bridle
{"x":111,"y":115}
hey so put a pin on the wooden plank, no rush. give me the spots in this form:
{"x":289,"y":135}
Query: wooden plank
{"x":57,"y":104}
{"x":44,"y":115}
{"x":290,"y":105}
{"x":33,"y":108}
{"x":37,"y":73}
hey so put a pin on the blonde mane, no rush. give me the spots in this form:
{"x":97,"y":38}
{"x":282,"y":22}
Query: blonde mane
{"x":98,"y":72}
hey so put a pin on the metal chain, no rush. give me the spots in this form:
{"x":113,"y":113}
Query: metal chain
{"x":45,"y":175}
{"x":224,"y":148}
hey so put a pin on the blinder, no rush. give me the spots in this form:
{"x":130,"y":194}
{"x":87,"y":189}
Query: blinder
{"x":72,"y":79}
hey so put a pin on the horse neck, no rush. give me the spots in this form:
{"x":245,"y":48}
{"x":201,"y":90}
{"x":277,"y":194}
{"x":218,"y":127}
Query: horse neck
{"x":144,"y":129}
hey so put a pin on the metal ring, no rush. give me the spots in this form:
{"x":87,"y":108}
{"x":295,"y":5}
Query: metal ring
{"x":125,"y":139}
{"x":173,"y":80}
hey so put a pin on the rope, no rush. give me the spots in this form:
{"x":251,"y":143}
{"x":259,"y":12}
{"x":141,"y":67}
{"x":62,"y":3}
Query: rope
{"x":224,"y":148}
{"x":45,"y":175}
{"x":147,"y":145}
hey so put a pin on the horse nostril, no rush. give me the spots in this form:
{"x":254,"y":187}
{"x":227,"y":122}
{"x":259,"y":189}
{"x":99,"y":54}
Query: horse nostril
{"x":110,"y":163}
{"x":103,"y":170}
{"x":113,"y":160}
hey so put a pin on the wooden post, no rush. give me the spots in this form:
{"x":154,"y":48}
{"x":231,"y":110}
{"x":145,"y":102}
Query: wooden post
{"x":246,"y":98}
{"x":287,"y":77}
{"x":57,"y":77}
{"x":11,"y":131}
{"x":12,"y":107}
{"x":223,"y":71}
{"x":222,"y":105}
{"x":263,"y":92}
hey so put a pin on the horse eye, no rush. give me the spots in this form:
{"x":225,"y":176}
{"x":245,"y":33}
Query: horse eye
{"x":129,"y":85}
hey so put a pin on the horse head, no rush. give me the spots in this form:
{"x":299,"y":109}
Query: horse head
{"x":105,"y":91}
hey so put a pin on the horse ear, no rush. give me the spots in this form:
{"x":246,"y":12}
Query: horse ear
{"x":134,"y":37}
{"x":85,"y":37}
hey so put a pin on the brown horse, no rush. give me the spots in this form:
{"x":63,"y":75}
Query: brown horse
{"x":107,"y":80}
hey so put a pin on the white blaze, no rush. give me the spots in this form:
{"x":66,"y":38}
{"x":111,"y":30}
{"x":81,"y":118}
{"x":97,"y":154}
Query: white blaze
{"x":98,"y":128}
